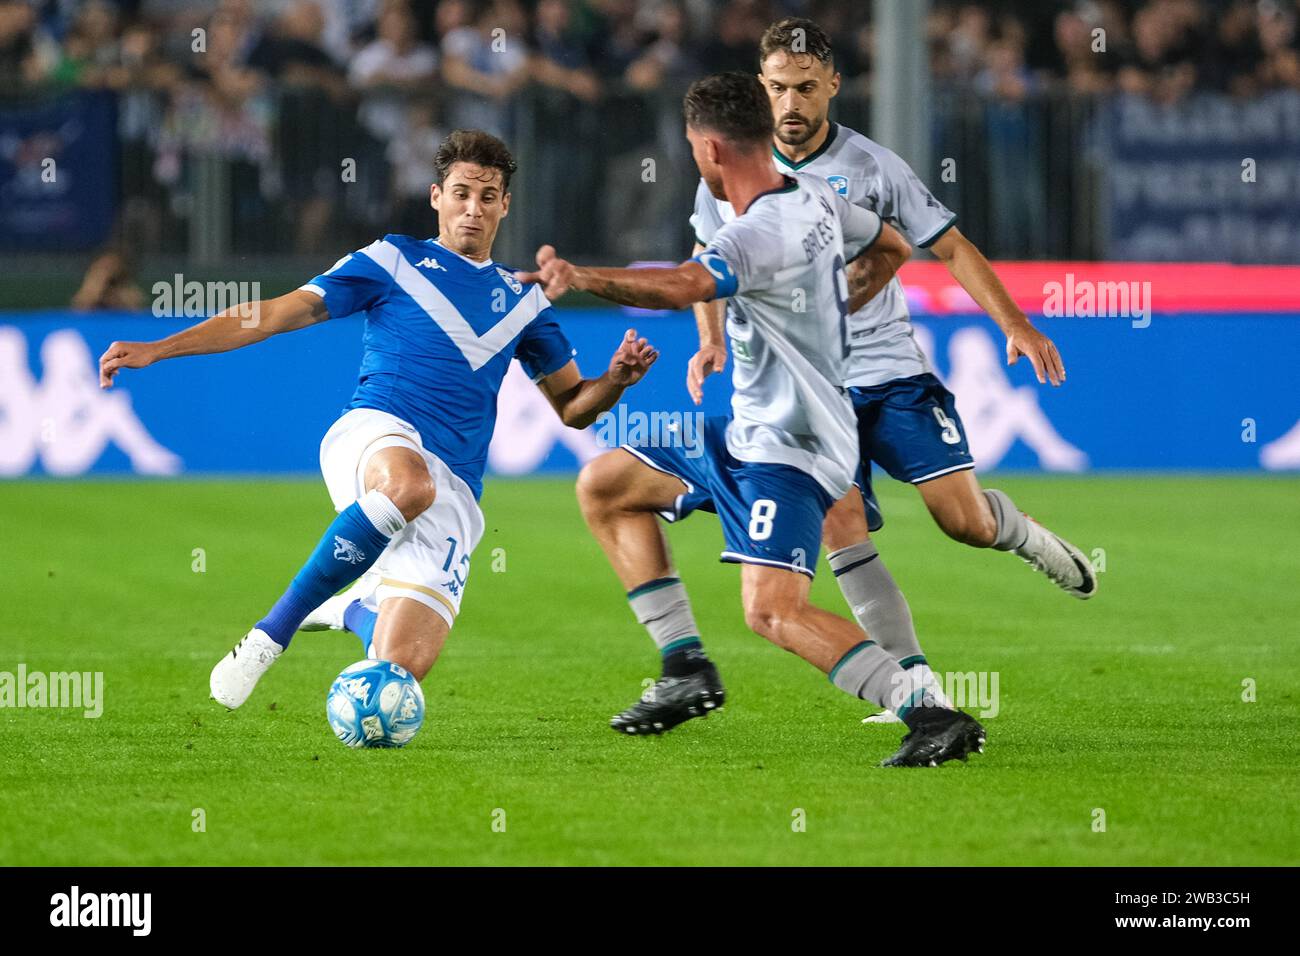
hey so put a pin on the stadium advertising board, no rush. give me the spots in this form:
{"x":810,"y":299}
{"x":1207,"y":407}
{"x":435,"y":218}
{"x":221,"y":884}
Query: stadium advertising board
{"x":1223,"y":382}
{"x":1210,"y":178}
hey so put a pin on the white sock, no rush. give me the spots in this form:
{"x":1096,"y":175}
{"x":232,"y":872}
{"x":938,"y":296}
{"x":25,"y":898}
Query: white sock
{"x":383,"y":514}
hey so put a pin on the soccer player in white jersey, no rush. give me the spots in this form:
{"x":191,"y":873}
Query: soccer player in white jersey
{"x":404,"y":464}
{"x":907,"y":419}
{"x":789,"y":449}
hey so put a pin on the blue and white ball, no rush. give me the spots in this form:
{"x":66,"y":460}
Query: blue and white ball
{"x":375,"y":704}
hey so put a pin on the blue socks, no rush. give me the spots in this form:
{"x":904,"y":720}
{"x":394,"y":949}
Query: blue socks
{"x":360,"y":620}
{"x":351,"y":544}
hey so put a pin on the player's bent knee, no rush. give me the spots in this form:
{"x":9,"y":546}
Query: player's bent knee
{"x":412,"y":494}
{"x":601,"y":481}
{"x":590,"y":486}
{"x":843,"y":528}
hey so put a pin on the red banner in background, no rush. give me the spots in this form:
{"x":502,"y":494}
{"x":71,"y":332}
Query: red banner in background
{"x":1174,"y":287}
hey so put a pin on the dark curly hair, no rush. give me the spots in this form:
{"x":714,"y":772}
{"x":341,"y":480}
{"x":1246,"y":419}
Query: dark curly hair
{"x":797,"y":36}
{"x":478,"y":147}
{"x":731,"y":104}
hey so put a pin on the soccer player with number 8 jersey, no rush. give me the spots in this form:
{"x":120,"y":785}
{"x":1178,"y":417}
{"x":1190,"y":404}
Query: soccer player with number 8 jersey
{"x":907,"y":420}
{"x":789,"y":450}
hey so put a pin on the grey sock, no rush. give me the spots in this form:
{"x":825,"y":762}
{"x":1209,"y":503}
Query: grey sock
{"x":662,"y":606}
{"x":1013,"y":529}
{"x":869,"y":672}
{"x":877,"y":604}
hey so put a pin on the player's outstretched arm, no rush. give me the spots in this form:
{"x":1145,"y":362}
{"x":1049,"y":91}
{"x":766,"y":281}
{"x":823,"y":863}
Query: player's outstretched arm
{"x":234,"y":328}
{"x":675,"y":288}
{"x":871,"y":271}
{"x":969,"y":267}
{"x":580,"y":401}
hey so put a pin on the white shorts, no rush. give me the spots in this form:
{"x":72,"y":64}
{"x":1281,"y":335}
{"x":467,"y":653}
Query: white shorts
{"x":428,"y":560}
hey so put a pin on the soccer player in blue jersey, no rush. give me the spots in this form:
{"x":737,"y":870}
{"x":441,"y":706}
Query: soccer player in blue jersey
{"x":404,"y":464}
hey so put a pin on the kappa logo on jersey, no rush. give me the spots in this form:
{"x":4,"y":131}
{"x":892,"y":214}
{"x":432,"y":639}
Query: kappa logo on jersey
{"x":438,"y":305}
{"x":345,"y":550}
{"x":839,"y":183}
{"x":508,"y":278}
{"x":427,"y":263}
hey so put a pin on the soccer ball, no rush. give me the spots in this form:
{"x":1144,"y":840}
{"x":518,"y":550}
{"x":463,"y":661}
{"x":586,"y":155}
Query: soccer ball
{"x":375,"y":704}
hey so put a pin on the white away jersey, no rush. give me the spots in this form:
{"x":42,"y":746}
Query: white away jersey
{"x":873,"y":177}
{"x":782,"y":265}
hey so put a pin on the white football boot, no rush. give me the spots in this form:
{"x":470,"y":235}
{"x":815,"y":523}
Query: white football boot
{"x":236,"y":674}
{"x":930,"y":683}
{"x":329,"y":616}
{"x":1061,"y":561}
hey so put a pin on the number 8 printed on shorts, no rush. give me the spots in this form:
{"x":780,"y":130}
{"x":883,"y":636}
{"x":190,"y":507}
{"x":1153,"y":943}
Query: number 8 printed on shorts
{"x":951,"y":435}
{"x":760,"y":519}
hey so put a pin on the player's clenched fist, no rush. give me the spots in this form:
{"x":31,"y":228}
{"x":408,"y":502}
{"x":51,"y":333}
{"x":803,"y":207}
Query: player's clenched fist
{"x":121,"y":355}
{"x":632,"y":360}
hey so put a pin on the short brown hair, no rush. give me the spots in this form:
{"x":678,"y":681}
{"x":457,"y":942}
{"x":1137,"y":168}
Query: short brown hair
{"x":477,"y":147}
{"x":797,"y":36}
{"x":731,"y":104}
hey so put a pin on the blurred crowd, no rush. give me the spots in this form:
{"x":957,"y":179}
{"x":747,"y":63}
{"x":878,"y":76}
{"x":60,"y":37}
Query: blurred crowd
{"x":1162,"y":49}
{"x":281,"y":89}
{"x":369,"y":49}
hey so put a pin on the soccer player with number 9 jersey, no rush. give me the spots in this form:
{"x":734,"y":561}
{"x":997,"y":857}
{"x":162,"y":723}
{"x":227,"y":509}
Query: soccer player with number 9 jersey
{"x":789,"y":449}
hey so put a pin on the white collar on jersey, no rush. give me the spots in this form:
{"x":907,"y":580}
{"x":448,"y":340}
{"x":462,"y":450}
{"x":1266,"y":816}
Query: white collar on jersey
{"x":476,"y":264}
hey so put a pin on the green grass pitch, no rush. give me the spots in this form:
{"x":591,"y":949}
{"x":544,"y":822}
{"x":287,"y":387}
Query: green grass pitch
{"x":1131,"y":704}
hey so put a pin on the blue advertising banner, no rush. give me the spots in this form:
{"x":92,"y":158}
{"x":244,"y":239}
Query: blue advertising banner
{"x":1187,"y":392}
{"x":57,"y":173}
{"x":1211,"y":178}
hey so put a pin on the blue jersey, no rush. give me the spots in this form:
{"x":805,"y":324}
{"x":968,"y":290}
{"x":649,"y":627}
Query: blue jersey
{"x":440,"y":333}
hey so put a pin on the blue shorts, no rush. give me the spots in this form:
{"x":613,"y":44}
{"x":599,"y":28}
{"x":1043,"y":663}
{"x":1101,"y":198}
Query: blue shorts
{"x":771,"y":514}
{"x":910,"y":428}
